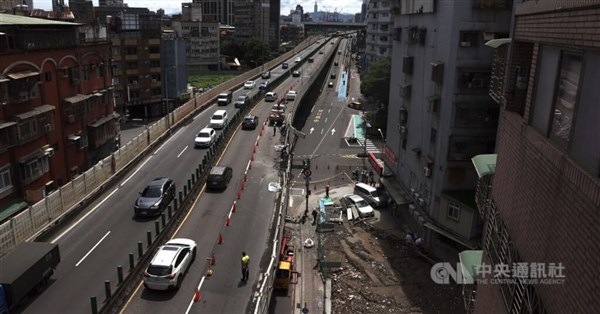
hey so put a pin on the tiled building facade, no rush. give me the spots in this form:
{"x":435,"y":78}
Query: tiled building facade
{"x":545,"y":204}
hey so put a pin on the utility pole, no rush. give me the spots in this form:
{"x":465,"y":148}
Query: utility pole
{"x":307,"y":173}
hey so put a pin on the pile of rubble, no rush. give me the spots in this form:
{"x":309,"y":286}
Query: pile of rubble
{"x":383,"y":276}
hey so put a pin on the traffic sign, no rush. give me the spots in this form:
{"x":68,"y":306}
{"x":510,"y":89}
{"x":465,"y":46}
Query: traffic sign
{"x":307,"y":172}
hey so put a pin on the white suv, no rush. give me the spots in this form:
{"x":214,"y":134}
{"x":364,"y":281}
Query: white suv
{"x":218,"y":119}
{"x":170,"y":264}
{"x":205,"y":137}
{"x":271,"y":96}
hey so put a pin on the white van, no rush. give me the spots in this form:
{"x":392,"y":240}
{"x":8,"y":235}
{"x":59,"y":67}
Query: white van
{"x":369,"y":193}
{"x":219,"y":119}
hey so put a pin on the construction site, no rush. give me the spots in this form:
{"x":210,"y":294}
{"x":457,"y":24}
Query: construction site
{"x":366,"y":262}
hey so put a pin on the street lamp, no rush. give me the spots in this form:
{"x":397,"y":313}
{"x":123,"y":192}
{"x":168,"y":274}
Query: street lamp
{"x":383,"y":150}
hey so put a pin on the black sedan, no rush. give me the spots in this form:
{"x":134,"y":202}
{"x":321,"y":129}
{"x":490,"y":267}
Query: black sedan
{"x":250,"y":122}
{"x":155,"y":197}
{"x":296,"y":73}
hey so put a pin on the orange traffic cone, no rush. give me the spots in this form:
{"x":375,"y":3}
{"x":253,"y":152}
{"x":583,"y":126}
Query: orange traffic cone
{"x":220,"y":240}
{"x":227,"y":222}
{"x":233,"y":207}
{"x":213,"y":260}
{"x":239,"y":195}
{"x":197,"y":296}
{"x":242,"y":186}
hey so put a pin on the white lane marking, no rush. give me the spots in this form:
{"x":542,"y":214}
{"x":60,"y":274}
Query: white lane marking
{"x":322,"y":139}
{"x":329,"y":110}
{"x":182,"y":151}
{"x":192,"y":301}
{"x":311,"y":109}
{"x":322,"y":130}
{"x":165,"y":143}
{"x":92,"y":249}
{"x":311,"y":130}
{"x":325,"y":120}
{"x":136,"y":171}
{"x":84,"y":216}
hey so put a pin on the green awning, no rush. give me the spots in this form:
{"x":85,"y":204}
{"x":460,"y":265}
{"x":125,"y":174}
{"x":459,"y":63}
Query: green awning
{"x":485,"y":164}
{"x":470,"y":261}
{"x":12,"y":208}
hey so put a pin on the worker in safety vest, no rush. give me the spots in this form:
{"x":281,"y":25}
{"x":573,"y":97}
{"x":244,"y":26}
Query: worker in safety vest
{"x":245,"y":264}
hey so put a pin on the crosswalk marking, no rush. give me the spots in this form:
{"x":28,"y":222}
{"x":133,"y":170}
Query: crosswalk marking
{"x":371,"y":148}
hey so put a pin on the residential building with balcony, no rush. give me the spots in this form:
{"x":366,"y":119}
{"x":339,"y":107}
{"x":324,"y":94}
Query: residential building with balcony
{"x":136,"y":62}
{"x":440,"y":115}
{"x":175,"y":70}
{"x":542,"y":209}
{"x":379,"y":30}
{"x":201,"y":35}
{"x":57,"y":113}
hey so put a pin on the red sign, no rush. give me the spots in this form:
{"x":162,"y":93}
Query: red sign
{"x":390,"y":155}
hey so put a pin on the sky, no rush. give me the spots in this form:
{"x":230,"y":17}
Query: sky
{"x":174,"y":6}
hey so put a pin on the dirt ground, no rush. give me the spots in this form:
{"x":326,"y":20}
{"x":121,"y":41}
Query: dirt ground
{"x":383,"y":275}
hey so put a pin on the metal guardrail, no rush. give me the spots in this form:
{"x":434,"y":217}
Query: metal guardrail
{"x":72,"y":197}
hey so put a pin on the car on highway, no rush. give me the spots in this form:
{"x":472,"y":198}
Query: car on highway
{"x":264,"y":85}
{"x":330,"y":84}
{"x":170,"y":264}
{"x":249,"y":84}
{"x":218,"y":119}
{"x":241,"y":101}
{"x":271,"y":96}
{"x":219,"y":177}
{"x":363,"y":208}
{"x":250,"y":122}
{"x":155,"y":197}
{"x":311,"y":60}
{"x":296,"y":73}
{"x":332,"y":76}
{"x":205,"y":138}
{"x":284,"y":65}
{"x":339,"y":52}
{"x":356,"y":105}
{"x":335,"y":63}
{"x":321,"y":52}
{"x":291,"y":95}
{"x":266,"y":75}
{"x":297,"y":59}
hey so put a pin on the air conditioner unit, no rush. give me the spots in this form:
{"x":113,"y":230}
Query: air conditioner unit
{"x":412,"y":191}
{"x":416,"y":195}
{"x":427,"y":172}
{"x":71,"y":118}
{"x":48,"y":127}
{"x":421,"y":201}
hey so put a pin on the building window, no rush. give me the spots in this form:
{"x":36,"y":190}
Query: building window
{"x":154,"y":49}
{"x":85,"y":71}
{"x":132,"y":50}
{"x":34,"y":168}
{"x":566,"y":97}
{"x":116,"y":51}
{"x":453,"y":211}
{"x":131,"y":65}
{"x":463,"y":148}
{"x":155,"y":64}
{"x":48,"y":76}
{"x":5,"y":179}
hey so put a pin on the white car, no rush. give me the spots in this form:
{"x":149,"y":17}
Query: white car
{"x":291,"y":95}
{"x":170,"y":264}
{"x":271,"y":96}
{"x":249,"y":84}
{"x":218,"y":119}
{"x":297,"y":59}
{"x":364,"y":209}
{"x":205,"y":137}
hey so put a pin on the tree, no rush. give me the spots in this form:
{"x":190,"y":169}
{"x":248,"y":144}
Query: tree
{"x":257,"y":52}
{"x":376,"y":82}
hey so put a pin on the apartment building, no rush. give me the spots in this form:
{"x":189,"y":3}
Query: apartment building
{"x":56,"y":113}
{"x":542,"y":208}
{"x":440,"y":114}
{"x":201,"y":35}
{"x":379,"y":29}
{"x":135,"y":36}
